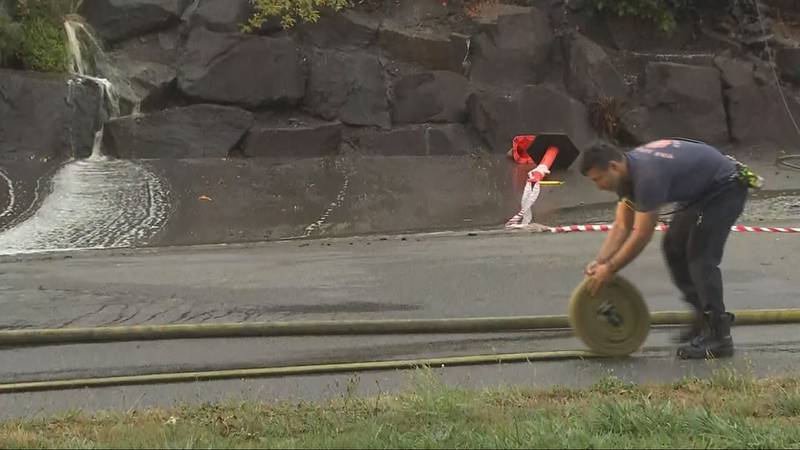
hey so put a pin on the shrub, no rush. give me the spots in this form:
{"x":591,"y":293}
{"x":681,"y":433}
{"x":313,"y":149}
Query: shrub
{"x":10,"y":40}
{"x":604,"y":115}
{"x":32,"y":36}
{"x":289,"y":11}
{"x":43,"y":47}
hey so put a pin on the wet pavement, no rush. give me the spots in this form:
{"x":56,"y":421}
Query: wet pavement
{"x":91,"y":203}
{"x":409,"y":276}
{"x":209,"y":201}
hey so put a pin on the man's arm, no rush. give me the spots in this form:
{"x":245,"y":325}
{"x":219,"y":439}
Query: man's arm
{"x":623,"y":223}
{"x":643,"y":229}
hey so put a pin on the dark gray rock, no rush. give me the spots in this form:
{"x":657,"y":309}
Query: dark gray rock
{"x":343,"y":30}
{"x":417,"y":140}
{"x":438,"y":96}
{"x":147,"y":85}
{"x":788,"y":61}
{"x":735,"y":72}
{"x":499,"y":116}
{"x":116,"y":20}
{"x":197,"y":131}
{"x":239,"y":69}
{"x":591,"y":74}
{"x":631,"y":33}
{"x":685,"y":101}
{"x":154,"y":83}
{"x":514,"y":51}
{"x":350,"y":87}
{"x":425,"y":47}
{"x":294,"y":138}
{"x":759,"y":116}
{"x":159,"y":47}
{"x":42,"y":116}
{"x":220,"y":15}
{"x":635,"y":121}
{"x":5,"y":7}
{"x":143,"y":71}
{"x":414,"y":12}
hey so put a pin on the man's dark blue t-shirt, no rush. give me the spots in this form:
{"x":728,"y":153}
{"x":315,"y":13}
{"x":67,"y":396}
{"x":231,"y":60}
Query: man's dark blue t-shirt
{"x":675,"y":171}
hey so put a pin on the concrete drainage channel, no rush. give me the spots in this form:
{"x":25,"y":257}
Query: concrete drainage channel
{"x":40,"y":337}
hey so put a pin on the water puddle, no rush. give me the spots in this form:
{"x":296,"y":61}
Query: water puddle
{"x":93,"y":203}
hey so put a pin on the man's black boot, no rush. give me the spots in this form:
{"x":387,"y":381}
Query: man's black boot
{"x":716,"y":342}
{"x":696,"y":329}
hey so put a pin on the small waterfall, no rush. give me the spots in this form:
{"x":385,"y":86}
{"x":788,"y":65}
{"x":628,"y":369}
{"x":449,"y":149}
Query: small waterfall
{"x":78,"y":63}
{"x":97,"y":147}
{"x":89,"y":63}
{"x":96,"y":202}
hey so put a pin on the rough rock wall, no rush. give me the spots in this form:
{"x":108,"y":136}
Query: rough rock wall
{"x":412,"y":78}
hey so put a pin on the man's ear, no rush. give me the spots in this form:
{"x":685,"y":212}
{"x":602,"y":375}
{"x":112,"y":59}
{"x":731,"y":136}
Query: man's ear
{"x":615,"y":165}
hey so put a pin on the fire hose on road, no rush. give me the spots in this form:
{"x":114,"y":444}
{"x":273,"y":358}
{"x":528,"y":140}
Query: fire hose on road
{"x":61,"y":336}
{"x":331,"y":328}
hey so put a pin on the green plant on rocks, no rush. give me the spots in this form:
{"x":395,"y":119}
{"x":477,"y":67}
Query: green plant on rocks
{"x":43,"y":46}
{"x":290,"y":11}
{"x":32,"y":34}
{"x":10,"y":39}
{"x":662,"y":13}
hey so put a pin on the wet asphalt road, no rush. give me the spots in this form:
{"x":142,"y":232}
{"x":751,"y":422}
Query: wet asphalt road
{"x":414,"y":276}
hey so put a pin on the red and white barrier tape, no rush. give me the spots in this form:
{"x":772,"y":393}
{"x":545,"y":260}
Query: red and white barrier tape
{"x":662,"y":227}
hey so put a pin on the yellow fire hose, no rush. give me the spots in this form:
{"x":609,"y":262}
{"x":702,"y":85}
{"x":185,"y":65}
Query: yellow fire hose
{"x":317,"y":369}
{"x":32,"y":337}
{"x":317,"y":328}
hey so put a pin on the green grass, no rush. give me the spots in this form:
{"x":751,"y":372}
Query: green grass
{"x":725,"y":411}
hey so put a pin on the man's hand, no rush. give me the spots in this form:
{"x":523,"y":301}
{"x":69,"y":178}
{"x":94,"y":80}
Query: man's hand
{"x":590,"y":268}
{"x":602,"y":274}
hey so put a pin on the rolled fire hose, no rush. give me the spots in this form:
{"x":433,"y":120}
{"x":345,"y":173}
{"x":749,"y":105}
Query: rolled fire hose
{"x":615,"y":322}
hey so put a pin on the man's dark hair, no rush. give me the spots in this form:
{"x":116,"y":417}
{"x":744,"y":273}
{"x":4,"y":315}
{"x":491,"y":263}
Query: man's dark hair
{"x":599,"y":156}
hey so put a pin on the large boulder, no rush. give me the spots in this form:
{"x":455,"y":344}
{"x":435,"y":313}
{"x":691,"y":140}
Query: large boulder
{"x":417,"y":140}
{"x":153,"y":83}
{"x":414,"y":12}
{"x":160,"y":47}
{"x":685,"y":101}
{"x":147,"y":86}
{"x":590,"y":73}
{"x":438,"y":96}
{"x":759,"y":116}
{"x":514,"y":50}
{"x":116,"y":20}
{"x":631,"y":33}
{"x":350,"y":87}
{"x":427,"y":48}
{"x":344,"y":30}
{"x":231,"y":68}
{"x":43,"y":116}
{"x":294,"y":138}
{"x":219,"y":15}
{"x":499,"y":116}
{"x":735,"y":72}
{"x":197,"y":131}
{"x":144,"y":71}
{"x":788,"y":61}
